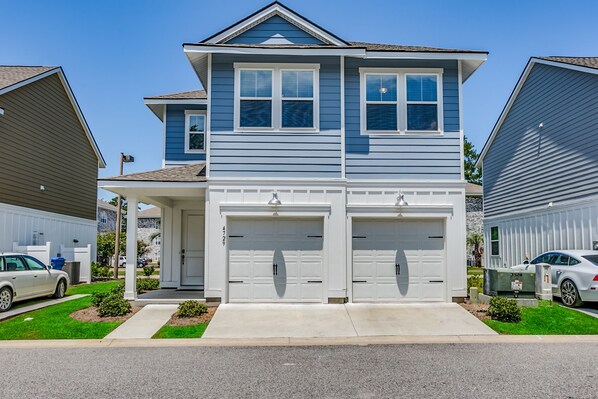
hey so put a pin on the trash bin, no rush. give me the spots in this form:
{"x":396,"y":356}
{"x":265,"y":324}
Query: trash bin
{"x":73,"y":269}
{"x":57,"y":263}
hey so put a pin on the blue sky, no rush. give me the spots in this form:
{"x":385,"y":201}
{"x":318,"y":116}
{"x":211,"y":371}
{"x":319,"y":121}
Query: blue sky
{"x":115,"y":52}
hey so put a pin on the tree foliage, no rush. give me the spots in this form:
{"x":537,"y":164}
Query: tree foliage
{"x":472,"y":174}
{"x":475,"y":241}
{"x":106,"y":246}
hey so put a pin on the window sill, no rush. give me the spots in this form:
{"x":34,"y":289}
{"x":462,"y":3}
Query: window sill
{"x":195,"y":152}
{"x":269,"y":130}
{"x":403,"y":133}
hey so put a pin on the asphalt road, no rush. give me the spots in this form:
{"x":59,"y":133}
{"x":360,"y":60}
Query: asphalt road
{"x":402,"y":371}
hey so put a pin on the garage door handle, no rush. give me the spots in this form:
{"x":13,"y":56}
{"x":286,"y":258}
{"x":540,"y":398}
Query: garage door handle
{"x":397,"y":269}
{"x":360,"y":281}
{"x":236,"y":282}
{"x":275,"y":269}
{"x":436,"y":281}
{"x":314,"y":281}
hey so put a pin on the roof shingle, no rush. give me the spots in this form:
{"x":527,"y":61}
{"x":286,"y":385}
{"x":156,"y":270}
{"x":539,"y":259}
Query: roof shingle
{"x":588,"y":62}
{"x":10,"y":75}
{"x":181,"y":174}
{"x":185,"y":95}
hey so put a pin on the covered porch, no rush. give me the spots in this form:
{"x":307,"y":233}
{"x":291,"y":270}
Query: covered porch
{"x":180,"y":193}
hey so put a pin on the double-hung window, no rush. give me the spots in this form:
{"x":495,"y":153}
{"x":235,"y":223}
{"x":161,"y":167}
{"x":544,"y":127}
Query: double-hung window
{"x":494,"y":241}
{"x":276,"y":97}
{"x":401,"y":100}
{"x":195,"y":131}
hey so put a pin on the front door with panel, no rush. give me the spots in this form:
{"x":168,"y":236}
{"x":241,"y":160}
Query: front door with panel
{"x":192,"y":249}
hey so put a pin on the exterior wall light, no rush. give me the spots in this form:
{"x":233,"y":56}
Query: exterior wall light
{"x":401,"y":201}
{"x":274,"y":201}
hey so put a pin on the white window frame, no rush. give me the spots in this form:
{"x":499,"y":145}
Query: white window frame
{"x":103,"y":217}
{"x":188,"y":114}
{"x":495,"y":241}
{"x":277,"y":69}
{"x":401,"y":75}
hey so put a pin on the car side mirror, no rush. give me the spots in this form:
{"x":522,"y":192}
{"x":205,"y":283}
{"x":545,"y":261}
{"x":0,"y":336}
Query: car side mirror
{"x":50,"y":267}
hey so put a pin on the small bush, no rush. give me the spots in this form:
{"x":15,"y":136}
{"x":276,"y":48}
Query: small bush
{"x":98,"y":297}
{"x":504,"y":309}
{"x":191,"y":309}
{"x":119,"y":289}
{"x":114,"y":305}
{"x":148,"y":271}
{"x":146,"y":284}
{"x":475,"y":281}
{"x":101,"y":272}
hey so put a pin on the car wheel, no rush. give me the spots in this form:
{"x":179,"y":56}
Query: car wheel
{"x":569,"y":294}
{"x":60,"y":289}
{"x":5,"y":299}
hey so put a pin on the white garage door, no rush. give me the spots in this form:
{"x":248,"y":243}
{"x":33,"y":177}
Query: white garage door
{"x":275,"y":260}
{"x":397,"y":261}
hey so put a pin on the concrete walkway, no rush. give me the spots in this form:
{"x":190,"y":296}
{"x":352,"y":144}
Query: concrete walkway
{"x":263,"y":321}
{"x":41,"y":305}
{"x":145,"y":323}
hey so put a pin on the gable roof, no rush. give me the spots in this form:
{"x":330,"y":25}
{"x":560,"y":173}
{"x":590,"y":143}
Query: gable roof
{"x":158,"y":103}
{"x":192,"y":173}
{"x":150,"y":213}
{"x":272,"y":9}
{"x":106,"y":205}
{"x":581,"y":64}
{"x":13,"y":77}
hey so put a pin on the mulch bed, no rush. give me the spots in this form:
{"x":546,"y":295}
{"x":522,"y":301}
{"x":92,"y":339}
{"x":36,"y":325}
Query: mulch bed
{"x":478,"y":310}
{"x":189,"y":321}
{"x":90,"y":314}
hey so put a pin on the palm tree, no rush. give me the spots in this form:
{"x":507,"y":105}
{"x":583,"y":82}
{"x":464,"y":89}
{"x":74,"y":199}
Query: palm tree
{"x":476,"y":242}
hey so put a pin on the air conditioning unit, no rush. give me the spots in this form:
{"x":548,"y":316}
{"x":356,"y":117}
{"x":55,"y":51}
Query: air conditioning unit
{"x":510,"y":283}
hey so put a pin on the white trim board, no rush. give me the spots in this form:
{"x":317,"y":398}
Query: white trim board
{"x":268,"y":12}
{"x":74,"y":104}
{"x":522,"y":79}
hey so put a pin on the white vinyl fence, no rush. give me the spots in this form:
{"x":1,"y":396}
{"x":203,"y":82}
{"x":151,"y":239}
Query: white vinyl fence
{"x":81,"y":255}
{"x":41,"y":252}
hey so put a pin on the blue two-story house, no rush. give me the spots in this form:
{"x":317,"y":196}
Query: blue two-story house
{"x":310,"y":168}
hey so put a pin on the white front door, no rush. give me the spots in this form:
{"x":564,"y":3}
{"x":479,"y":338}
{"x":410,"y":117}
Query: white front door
{"x":192,"y":249}
{"x":275,"y":260}
{"x":398,"y":261}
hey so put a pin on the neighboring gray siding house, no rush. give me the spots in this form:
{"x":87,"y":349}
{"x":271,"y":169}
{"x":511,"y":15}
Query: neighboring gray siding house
{"x":49,"y":162}
{"x":148,"y":230}
{"x":309,"y":168}
{"x":540,"y":164}
{"x":106,"y":217}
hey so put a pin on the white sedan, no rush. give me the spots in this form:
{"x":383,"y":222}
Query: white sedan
{"x":574,"y":274}
{"x":24,"y":277}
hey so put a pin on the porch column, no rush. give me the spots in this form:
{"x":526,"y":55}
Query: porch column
{"x":131,"y":267}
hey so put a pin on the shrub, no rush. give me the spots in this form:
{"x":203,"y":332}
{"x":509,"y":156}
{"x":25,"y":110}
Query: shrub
{"x":98,"y":271}
{"x":475,"y":281}
{"x":504,"y":309}
{"x":146,"y":284}
{"x":98,"y":297}
{"x":148,"y":271}
{"x":191,"y":309}
{"x":119,"y":289}
{"x":114,"y":305}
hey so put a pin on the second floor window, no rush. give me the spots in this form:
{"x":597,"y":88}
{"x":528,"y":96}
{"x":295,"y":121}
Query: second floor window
{"x":401,"y":101}
{"x":280,"y":97}
{"x":103,"y":218}
{"x":195,"y":131}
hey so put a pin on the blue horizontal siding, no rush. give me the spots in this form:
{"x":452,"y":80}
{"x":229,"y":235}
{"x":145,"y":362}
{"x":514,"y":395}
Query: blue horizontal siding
{"x":274,"y":26}
{"x":434,"y":156}
{"x":268,"y":154}
{"x":175,"y":134}
{"x":528,"y":167}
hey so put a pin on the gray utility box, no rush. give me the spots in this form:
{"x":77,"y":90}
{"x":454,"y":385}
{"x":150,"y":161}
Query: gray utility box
{"x":510,"y":282}
{"x":73,"y":269}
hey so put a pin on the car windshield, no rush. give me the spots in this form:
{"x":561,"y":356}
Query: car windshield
{"x":591,"y":258}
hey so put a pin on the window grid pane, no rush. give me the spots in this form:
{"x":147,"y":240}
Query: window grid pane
{"x":381,"y":88}
{"x":381,"y":117}
{"x":422,"y":117}
{"x":197,"y":123}
{"x":299,"y":114}
{"x":255,"y":113}
{"x":196,"y":141}
{"x":422,"y":88}
{"x":297,"y":84}
{"x":256,"y":83}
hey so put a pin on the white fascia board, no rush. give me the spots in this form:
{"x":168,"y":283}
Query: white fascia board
{"x":151,"y":101}
{"x":505,"y":111}
{"x":566,"y":66}
{"x":202,"y":49}
{"x":115,"y":184}
{"x":426,"y":55}
{"x":74,"y":104}
{"x":273,"y":9}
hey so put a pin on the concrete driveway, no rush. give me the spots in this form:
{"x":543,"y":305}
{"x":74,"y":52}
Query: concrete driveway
{"x":350,"y":320}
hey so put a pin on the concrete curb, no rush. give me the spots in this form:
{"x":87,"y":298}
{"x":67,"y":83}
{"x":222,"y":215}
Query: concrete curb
{"x":359,"y":341}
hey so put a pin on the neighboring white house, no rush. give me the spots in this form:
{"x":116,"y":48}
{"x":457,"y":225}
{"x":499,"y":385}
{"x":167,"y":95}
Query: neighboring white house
{"x":148,"y":230}
{"x":310,"y":169}
{"x":540,"y":164}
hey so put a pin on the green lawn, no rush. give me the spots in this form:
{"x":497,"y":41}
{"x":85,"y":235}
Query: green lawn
{"x":548,"y":319}
{"x":54,"y":322}
{"x":194,"y":331}
{"x":475,"y":271}
{"x":91,"y":288}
